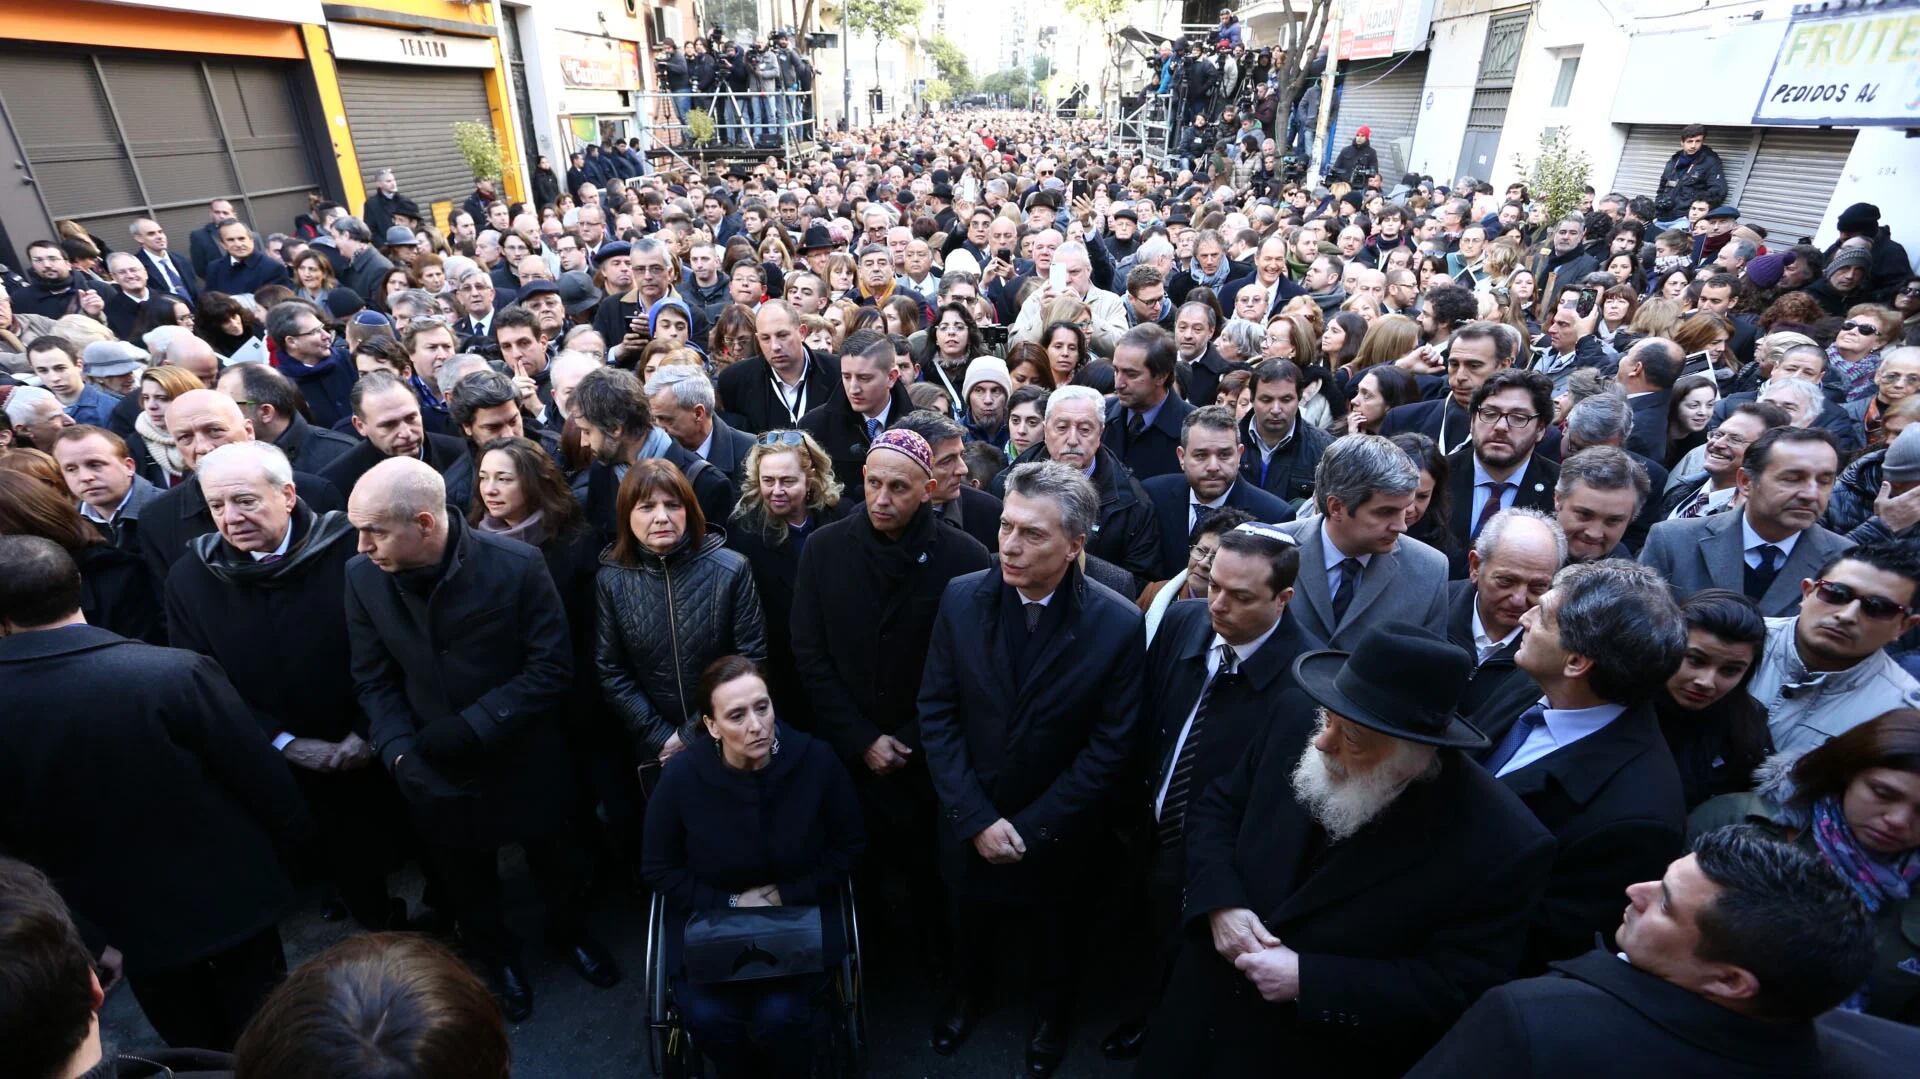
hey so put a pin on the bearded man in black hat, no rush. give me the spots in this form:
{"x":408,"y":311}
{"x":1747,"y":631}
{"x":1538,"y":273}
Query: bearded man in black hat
{"x":1355,"y":883}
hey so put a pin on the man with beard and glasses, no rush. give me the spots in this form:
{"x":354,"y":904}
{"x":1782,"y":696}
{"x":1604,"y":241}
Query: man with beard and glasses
{"x":1826,"y":670}
{"x":1500,"y":469}
{"x":1305,"y":941}
{"x":1773,"y":542}
{"x":1586,"y":755}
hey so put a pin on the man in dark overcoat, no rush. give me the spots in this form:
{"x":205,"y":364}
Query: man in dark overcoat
{"x":265,"y":597}
{"x":1302,"y":944}
{"x":462,"y":660}
{"x":134,"y":777}
{"x":1028,"y":709}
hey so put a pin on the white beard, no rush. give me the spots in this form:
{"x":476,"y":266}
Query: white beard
{"x":1343,"y":802}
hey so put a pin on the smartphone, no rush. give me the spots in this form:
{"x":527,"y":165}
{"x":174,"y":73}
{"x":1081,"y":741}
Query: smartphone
{"x":1057,"y":276}
{"x":1005,"y":255}
{"x":995,"y":336}
{"x":1588,"y":297}
{"x":1079,"y":187}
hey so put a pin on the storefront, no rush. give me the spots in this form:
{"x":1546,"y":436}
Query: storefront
{"x":599,"y":77}
{"x":1383,"y":74}
{"x":403,"y":91}
{"x":119,"y":111}
{"x":1782,"y":178}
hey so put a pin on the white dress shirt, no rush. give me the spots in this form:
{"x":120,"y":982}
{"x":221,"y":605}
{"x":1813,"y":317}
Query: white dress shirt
{"x":1240,"y":654}
{"x":1563,"y":728}
{"x":1485,"y":646}
{"x":1751,"y":542}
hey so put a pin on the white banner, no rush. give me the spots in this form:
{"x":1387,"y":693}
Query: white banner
{"x":1857,"y":66}
{"x":381,"y":45}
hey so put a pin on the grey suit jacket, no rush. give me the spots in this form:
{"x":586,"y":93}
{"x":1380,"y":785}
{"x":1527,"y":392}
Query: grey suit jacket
{"x":1408,"y":584}
{"x":1706,"y":552}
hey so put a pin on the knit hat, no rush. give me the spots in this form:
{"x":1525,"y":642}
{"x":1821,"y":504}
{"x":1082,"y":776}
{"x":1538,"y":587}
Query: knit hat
{"x":1902,"y":463}
{"x":1364,"y":132}
{"x":343,"y":302}
{"x":986,"y":369}
{"x":907,"y":444}
{"x":661,"y":304}
{"x":1848,"y":255}
{"x":1766,"y":270}
{"x":1860,"y":217}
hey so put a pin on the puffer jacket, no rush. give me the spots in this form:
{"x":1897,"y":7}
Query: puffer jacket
{"x":1854,"y":492}
{"x":660,"y":623}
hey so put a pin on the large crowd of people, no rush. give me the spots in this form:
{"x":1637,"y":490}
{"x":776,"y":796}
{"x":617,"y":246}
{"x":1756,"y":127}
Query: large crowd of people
{"x":1420,"y":632}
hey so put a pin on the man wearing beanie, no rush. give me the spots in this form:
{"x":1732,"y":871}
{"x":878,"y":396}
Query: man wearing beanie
{"x":1846,"y":282}
{"x":1887,"y":262}
{"x":986,"y":410}
{"x":1766,"y":270}
{"x":1357,"y":161}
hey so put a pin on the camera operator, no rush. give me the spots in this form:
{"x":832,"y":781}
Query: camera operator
{"x":1357,"y":162}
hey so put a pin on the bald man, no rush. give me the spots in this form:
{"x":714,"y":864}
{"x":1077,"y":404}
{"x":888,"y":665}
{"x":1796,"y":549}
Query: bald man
{"x":199,"y":421}
{"x":188,"y":353}
{"x":463,"y":699}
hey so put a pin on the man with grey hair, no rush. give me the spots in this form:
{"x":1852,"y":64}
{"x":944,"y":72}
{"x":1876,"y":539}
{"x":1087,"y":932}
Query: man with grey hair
{"x":1564,"y":262}
{"x":37,"y":417}
{"x":1109,"y":310}
{"x":1028,"y":710}
{"x":131,"y":288}
{"x":366,"y":268}
{"x":1126,"y":533}
{"x":1354,"y":552}
{"x":1510,"y":567}
{"x":1587,"y":756}
{"x":384,"y":203}
{"x":463,"y":699}
{"x":1598,"y":495}
{"x":409,"y":305}
{"x":1735,"y":255}
{"x":683,"y":406}
{"x":1800,"y":398}
{"x":265,"y":596}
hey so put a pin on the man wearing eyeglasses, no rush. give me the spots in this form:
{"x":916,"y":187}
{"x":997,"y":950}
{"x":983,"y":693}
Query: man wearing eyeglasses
{"x":1826,"y":670}
{"x":1499,"y":469}
{"x":1726,"y":449}
{"x":473,"y":297}
{"x":1775,"y":540}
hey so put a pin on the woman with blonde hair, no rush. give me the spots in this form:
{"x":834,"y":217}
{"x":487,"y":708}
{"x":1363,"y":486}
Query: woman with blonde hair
{"x":1389,"y":338}
{"x":789,"y":493}
{"x":842,"y":272}
{"x":154,"y":452}
{"x":1365,"y":306}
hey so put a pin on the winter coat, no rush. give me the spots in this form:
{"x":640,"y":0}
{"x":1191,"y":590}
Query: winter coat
{"x":1854,"y":492}
{"x":660,"y":622}
{"x":1355,"y":162}
{"x":1683,"y":181}
{"x":247,"y":276}
{"x":1126,"y":533}
{"x":842,"y":432}
{"x":776,"y":576}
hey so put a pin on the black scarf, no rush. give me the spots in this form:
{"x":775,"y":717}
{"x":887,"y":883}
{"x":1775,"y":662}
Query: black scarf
{"x":421,"y":580}
{"x":312,"y":535}
{"x":889,"y":561}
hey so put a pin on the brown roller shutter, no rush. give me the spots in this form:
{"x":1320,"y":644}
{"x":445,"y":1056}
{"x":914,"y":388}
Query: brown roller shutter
{"x":402,"y":118}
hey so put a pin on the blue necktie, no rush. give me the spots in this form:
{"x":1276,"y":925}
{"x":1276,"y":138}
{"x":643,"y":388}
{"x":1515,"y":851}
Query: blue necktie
{"x":873,"y":429}
{"x":1530,"y":720}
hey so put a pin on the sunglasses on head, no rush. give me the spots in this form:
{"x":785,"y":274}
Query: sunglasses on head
{"x":1868,"y":328}
{"x":782,"y":438}
{"x":1878,"y":608}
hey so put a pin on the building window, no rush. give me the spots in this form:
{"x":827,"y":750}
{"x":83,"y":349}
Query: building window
{"x":1563,"y":89}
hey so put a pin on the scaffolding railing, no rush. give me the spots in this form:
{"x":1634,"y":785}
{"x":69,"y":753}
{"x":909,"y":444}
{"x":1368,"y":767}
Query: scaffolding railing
{"x":746,"y":122}
{"x":1148,"y":127}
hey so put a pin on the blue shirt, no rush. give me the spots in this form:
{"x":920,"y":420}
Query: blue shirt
{"x":94,"y":406}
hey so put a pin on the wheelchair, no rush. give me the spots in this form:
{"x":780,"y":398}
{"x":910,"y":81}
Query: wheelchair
{"x":671,"y":1052}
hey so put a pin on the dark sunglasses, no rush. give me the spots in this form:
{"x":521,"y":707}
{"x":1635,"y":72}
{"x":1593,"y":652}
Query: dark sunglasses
{"x":1868,"y":328}
{"x":1878,"y":608}
{"x":782,"y":438}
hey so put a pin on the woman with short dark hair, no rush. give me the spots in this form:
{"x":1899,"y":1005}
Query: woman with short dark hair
{"x":1432,"y":509}
{"x":1718,"y":733}
{"x":767,"y":817}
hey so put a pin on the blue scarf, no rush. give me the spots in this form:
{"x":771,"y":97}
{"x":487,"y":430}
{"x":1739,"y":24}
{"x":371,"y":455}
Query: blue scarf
{"x":1877,"y":880}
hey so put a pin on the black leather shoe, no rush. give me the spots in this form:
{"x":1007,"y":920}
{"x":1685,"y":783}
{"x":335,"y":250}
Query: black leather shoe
{"x":1125,"y":1041}
{"x":592,"y":962}
{"x":953,"y":1024}
{"x":1047,"y":1047}
{"x":514,"y":992}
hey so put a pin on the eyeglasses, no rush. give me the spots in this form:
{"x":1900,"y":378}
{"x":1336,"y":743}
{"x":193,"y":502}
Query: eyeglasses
{"x":1721,"y":435}
{"x":1868,"y":328}
{"x":1897,"y":378}
{"x":1878,"y":608}
{"x":1202,"y":556}
{"x":1493,"y":417}
{"x":782,"y":438}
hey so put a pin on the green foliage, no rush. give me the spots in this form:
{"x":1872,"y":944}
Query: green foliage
{"x":938,"y":91}
{"x":1099,"y":12}
{"x":1013,"y":82}
{"x":883,"y":18}
{"x":951,"y":63}
{"x":479,"y":148}
{"x":700,"y":126}
{"x":1559,"y":173}
{"x":1042,"y":67}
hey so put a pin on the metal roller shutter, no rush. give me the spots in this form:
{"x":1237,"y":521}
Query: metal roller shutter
{"x":1385,"y":99}
{"x":1650,"y":145}
{"x":402,"y":118}
{"x":1792,"y":181}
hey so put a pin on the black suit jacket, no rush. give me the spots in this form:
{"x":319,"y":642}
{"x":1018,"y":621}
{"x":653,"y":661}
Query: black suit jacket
{"x":1425,"y":417}
{"x":976,"y":513}
{"x":174,"y":519}
{"x":1614,"y":804}
{"x":313,"y":448}
{"x":446,"y":453}
{"x":1497,"y":683}
{"x":1382,"y":976}
{"x":1596,"y":1015}
{"x":728,"y":450}
{"x":711,"y":488}
{"x":157,"y":281}
{"x":1649,"y":437}
{"x":176,"y":855}
{"x":749,"y":401}
{"x":1152,"y":453}
{"x":1237,"y":710}
{"x":842,"y":432}
{"x":1171,"y":503}
{"x":1535,"y":490}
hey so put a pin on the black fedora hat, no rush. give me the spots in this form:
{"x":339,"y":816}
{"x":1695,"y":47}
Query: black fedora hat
{"x":817,"y":239}
{"x":1399,"y":680}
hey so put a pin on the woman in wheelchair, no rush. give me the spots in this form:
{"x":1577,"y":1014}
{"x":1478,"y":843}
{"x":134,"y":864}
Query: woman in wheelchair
{"x":766,"y":818}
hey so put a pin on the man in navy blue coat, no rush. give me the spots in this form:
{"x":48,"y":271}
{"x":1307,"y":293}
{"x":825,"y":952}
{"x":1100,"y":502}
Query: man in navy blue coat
{"x":1143,"y":422}
{"x":242,"y":268}
{"x":1209,"y":480}
{"x":1028,"y":711}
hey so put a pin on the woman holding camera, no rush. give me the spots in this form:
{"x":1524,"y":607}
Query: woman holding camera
{"x":765,"y":818}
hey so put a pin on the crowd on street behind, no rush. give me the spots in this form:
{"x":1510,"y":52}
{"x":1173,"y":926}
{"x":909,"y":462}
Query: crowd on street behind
{"x":981,"y":519}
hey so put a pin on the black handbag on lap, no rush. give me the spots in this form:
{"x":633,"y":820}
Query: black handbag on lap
{"x":745,"y":944}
